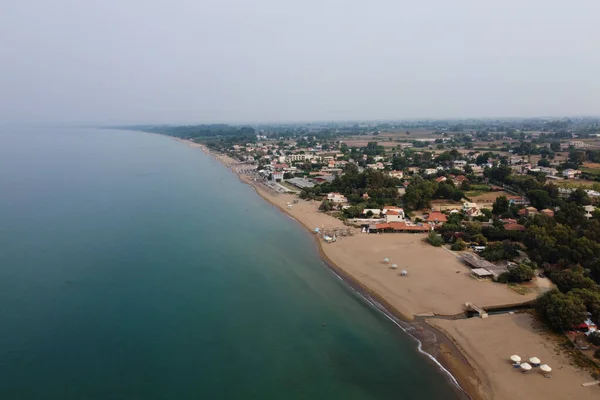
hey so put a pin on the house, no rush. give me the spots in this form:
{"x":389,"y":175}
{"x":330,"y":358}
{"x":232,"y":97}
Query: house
{"x":430,"y":171}
{"x":436,"y":217}
{"x":441,"y":179}
{"x":577,"y":144}
{"x":394,"y":215}
{"x":277,"y":176}
{"x":459,"y":180}
{"x":459,"y":164}
{"x":528,"y":211}
{"x":396,"y":174}
{"x":514,"y":227}
{"x":336,"y":197}
{"x":547,"y":212}
{"x":471,"y":210}
{"x":388,"y":208}
{"x":570,"y":173}
{"x":589,"y":210}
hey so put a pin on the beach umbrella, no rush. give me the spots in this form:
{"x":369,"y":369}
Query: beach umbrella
{"x":515,"y":358}
{"x":386,"y":260}
{"x":394,"y":266}
{"x":546,"y":368}
{"x":403,"y":272}
{"x":534,"y":361}
{"x":525,"y":367}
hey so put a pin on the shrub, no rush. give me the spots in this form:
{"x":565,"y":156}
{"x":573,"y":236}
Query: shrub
{"x":597,"y":354}
{"x":435,"y":239}
{"x":459,"y":245}
{"x":594,"y":338}
{"x":502,"y":278}
{"x":520,"y":273}
{"x":561,"y":311}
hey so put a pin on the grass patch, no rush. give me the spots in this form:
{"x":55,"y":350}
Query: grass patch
{"x":480,"y":188}
{"x":519,"y":288}
{"x":473,"y":193}
{"x":591,"y":171}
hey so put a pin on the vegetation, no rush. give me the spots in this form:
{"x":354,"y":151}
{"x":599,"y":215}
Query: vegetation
{"x":562,"y":311}
{"x":594,"y":337}
{"x":520,"y":273}
{"x":435,"y":239}
{"x":459,"y":245}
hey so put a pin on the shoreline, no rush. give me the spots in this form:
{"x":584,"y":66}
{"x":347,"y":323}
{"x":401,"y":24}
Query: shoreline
{"x":448,"y":358}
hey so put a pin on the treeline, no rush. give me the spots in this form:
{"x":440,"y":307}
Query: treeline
{"x":201,"y":131}
{"x":381,"y":188}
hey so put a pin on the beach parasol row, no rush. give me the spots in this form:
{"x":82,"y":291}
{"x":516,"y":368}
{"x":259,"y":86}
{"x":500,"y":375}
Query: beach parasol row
{"x":515,"y":358}
{"x":525,"y":367}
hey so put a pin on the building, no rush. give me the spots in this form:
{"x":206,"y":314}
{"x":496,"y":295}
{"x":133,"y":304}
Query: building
{"x":514,"y":227}
{"x":396,"y":215}
{"x":589,"y":211}
{"x":436,"y":217}
{"x":547,"y":212}
{"x":570,"y":173}
{"x":577,"y":144}
{"x":459,"y":180}
{"x":336,"y":197}
{"x":430,"y":171}
{"x":277,"y":176}
{"x":471,"y":210}
{"x":396,"y":174}
{"x":440,"y":179}
{"x":459,"y":164}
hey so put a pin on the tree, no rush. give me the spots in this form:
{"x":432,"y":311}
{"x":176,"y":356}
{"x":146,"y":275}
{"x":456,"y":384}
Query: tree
{"x":520,"y":273}
{"x":500,"y":205}
{"x":572,"y":278}
{"x":580,"y":197}
{"x":543,"y":162}
{"x":561,"y":311}
{"x":419,"y":193}
{"x":459,"y":245}
{"x":591,"y":299}
{"x":539,"y":199}
{"x":435,"y":239}
{"x":326,"y":205}
{"x":594,"y":337}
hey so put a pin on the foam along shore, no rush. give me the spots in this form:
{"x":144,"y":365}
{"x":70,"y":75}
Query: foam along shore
{"x":437,"y":284}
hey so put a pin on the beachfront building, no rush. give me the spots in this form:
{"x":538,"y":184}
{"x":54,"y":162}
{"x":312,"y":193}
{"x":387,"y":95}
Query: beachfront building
{"x":336,"y":197}
{"x":277,"y":176}
{"x":396,"y":215}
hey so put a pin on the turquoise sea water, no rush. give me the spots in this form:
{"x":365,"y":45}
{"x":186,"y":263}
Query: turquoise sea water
{"x":135,"y":267}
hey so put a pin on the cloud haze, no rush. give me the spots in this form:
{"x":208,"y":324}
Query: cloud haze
{"x":189,"y":61}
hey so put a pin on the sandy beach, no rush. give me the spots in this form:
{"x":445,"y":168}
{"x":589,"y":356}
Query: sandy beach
{"x":475,"y":350}
{"x":488,"y":343}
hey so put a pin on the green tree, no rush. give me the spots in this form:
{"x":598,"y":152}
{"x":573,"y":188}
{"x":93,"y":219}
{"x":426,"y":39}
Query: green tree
{"x":435,"y":239}
{"x":579,"y":196}
{"x":561,"y":311}
{"x":500,"y":205}
{"x":419,"y":193}
{"x":520,"y":273}
{"x":539,"y":199}
{"x":459,"y":245}
{"x":591,"y":299}
{"x":573,"y":278}
{"x":326,"y":205}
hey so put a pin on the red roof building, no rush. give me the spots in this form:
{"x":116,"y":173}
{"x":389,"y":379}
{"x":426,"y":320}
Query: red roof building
{"x":436,"y":217}
{"x":514,"y":227}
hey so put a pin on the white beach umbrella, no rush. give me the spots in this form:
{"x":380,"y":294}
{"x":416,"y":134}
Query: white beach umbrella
{"x":545,"y":368}
{"x":525,"y":367}
{"x":403,"y":272}
{"x":515,"y":358}
{"x":386,"y":260}
{"x":394,"y":266}
{"x":534,"y":360}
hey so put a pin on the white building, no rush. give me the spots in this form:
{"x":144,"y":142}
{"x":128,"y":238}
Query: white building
{"x":460,"y":164}
{"x":570,"y":173}
{"x":277,"y":176}
{"x":395,"y":215}
{"x":396,"y":174}
{"x":336,"y":197}
{"x":430,"y":171}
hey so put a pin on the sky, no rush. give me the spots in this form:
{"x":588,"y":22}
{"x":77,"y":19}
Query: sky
{"x":236,"y":61}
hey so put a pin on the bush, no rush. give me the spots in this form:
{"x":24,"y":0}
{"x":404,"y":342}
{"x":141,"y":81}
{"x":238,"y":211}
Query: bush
{"x":520,"y":273}
{"x":502,"y":278}
{"x":594,"y":338}
{"x":459,"y":245}
{"x":597,"y":354}
{"x":435,"y":239}
{"x":326,"y":206}
{"x":562,"y":312}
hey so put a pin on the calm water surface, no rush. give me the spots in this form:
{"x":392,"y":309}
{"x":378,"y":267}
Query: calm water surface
{"x":134,"y":267}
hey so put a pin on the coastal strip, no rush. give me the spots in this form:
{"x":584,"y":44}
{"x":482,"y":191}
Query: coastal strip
{"x":444,"y":353}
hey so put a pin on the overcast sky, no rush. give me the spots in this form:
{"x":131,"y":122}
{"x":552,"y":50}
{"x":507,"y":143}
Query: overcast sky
{"x":195,"y":61}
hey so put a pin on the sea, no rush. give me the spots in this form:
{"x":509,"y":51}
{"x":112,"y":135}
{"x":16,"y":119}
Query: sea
{"x":133,"y":266}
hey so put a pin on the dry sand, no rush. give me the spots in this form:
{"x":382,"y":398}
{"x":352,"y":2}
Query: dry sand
{"x":488,"y":343}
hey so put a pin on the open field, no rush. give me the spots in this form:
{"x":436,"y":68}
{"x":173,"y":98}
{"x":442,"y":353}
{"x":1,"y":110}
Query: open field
{"x":575,"y":183}
{"x":489,"y":197}
{"x":488,"y":343}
